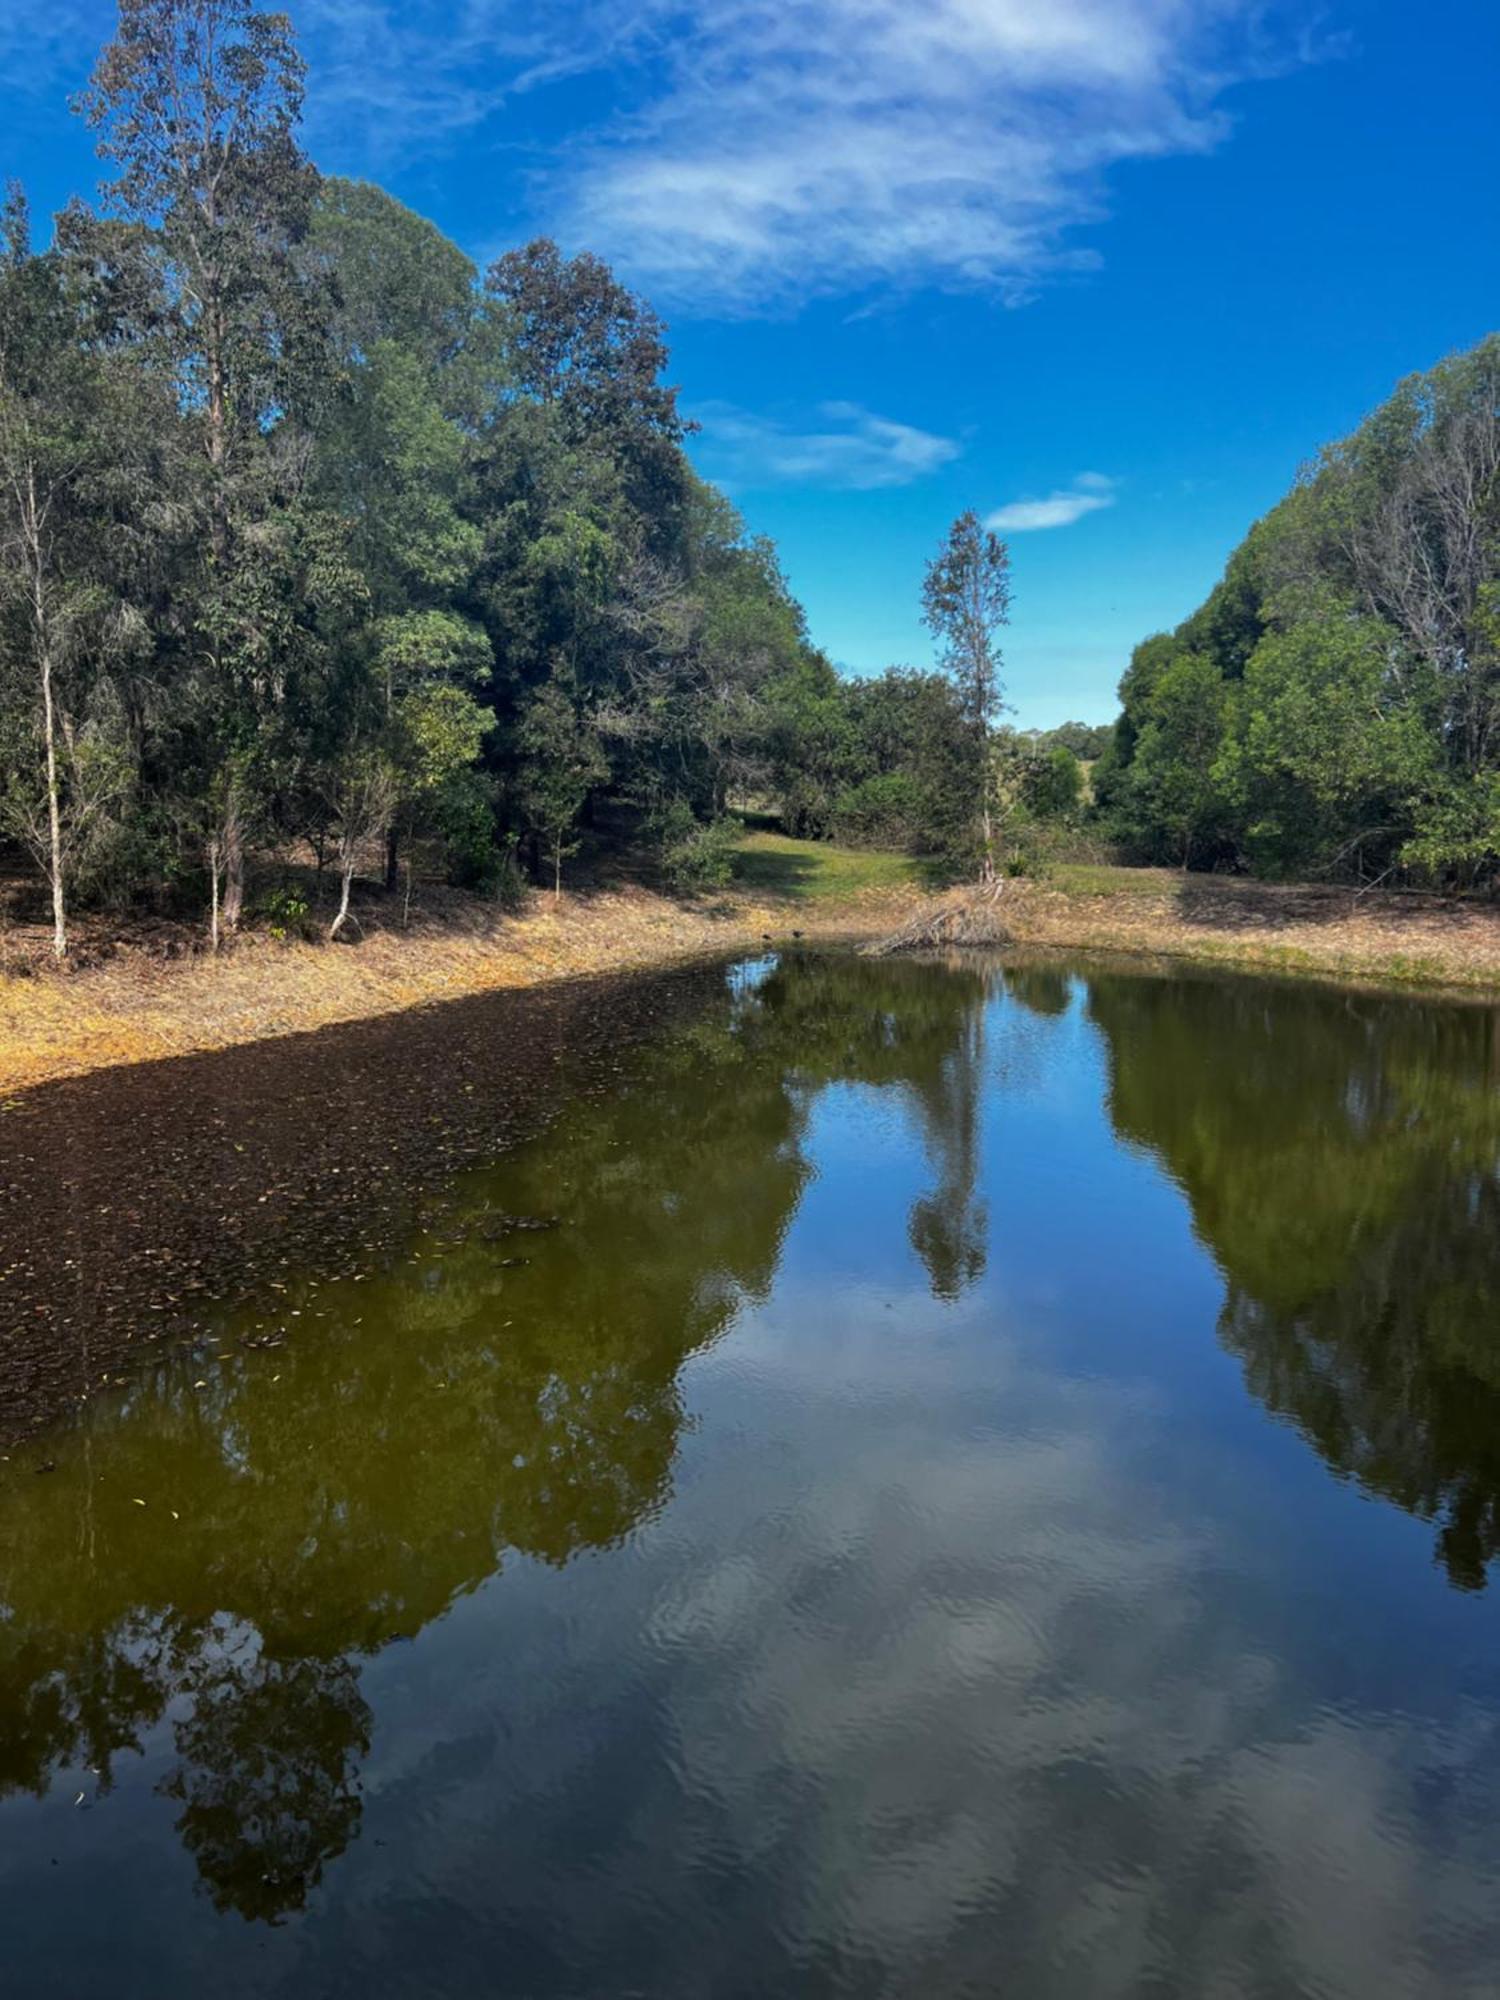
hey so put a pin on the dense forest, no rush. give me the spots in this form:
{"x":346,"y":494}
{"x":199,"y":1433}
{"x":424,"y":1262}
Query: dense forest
{"x":1334,"y":706}
{"x":316,"y":541}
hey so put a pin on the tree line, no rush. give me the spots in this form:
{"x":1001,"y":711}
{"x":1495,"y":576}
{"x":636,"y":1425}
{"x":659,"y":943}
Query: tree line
{"x":313,"y":538}
{"x":1333,"y":708}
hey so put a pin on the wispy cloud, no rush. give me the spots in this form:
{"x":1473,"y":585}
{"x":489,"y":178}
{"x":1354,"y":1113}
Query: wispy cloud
{"x":823,"y":146}
{"x":1086,"y":495}
{"x":735,"y":156}
{"x":852,"y":449}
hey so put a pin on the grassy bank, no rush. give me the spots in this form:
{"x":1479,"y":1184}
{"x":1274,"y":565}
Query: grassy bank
{"x":157,"y":992}
{"x":1402,"y":939}
{"x":153,"y":997}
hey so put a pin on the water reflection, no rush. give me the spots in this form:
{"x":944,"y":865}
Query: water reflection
{"x":1013,"y":1687}
{"x":1341,"y":1154}
{"x":232,"y":1543}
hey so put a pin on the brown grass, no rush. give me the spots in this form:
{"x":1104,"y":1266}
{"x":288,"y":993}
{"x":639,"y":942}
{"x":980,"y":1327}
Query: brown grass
{"x":154,"y":993}
{"x":141,"y":1002}
{"x":1397,"y":939}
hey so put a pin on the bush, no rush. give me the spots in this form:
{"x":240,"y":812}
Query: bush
{"x":881,"y":811}
{"x":693,"y":855}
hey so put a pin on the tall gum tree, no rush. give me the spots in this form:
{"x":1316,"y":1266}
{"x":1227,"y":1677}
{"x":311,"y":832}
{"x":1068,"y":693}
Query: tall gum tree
{"x":196,"y":103}
{"x":965,"y":604}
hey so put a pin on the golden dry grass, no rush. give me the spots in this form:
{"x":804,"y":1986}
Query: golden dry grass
{"x":1397,"y":939}
{"x":137,"y":1005}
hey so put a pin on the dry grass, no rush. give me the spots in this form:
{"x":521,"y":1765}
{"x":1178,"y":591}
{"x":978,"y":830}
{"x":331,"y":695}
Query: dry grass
{"x":1397,"y":939}
{"x":140,"y":1003}
{"x":148,"y":995}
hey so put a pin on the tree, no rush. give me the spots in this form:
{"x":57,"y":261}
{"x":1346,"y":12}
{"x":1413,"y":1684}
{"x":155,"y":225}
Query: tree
{"x":362,"y":796}
{"x":965,"y":602}
{"x":560,"y":764}
{"x":1324,"y":764}
{"x":197,"y":104}
{"x":58,"y":433}
{"x":1173,"y":772}
{"x":395,"y":278}
{"x":1355,"y":635}
{"x":1054,"y":783}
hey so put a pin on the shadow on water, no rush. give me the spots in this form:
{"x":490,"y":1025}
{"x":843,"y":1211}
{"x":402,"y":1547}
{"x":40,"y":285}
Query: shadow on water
{"x":216,"y":1554}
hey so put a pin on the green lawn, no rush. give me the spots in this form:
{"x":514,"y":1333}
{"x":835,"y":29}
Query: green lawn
{"x":1095,"y":878}
{"x":772,"y":864}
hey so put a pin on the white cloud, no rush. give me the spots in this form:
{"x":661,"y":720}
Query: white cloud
{"x":854,"y":449}
{"x":1088,"y":493}
{"x":736,"y":156}
{"x":823,"y":146}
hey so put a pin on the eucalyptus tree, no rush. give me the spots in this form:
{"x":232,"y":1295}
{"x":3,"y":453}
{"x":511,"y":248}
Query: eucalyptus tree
{"x":65,"y":449}
{"x":965,"y":604}
{"x":196,"y":103}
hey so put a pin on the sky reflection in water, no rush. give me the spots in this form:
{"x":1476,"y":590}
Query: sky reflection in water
{"x":989,"y":1484}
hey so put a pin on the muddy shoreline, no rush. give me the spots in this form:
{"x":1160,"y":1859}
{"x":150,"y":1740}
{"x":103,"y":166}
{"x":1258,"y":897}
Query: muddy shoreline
{"x":137,"y":1204}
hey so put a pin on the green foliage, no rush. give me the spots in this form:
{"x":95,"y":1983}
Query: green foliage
{"x":1334,"y":706}
{"x":1054,"y":784}
{"x":965,"y":603}
{"x":561,"y":762}
{"x":1088,"y":741}
{"x":1173,"y":779}
{"x":342,"y":542}
{"x":693,"y":856}
{"x":286,"y":912}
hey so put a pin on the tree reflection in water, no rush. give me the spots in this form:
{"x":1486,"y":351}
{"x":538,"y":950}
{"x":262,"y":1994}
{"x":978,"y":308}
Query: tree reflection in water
{"x":218,"y":1554}
{"x":506,"y":1393}
{"x":1341,"y":1156}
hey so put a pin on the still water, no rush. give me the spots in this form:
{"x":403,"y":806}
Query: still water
{"x":936,"y":1481}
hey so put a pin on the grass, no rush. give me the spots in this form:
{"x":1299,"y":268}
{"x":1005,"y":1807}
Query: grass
{"x":773,"y":864}
{"x":1095,"y":878}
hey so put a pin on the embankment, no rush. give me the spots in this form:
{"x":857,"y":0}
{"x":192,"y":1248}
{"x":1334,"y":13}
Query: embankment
{"x":136,"y":1007}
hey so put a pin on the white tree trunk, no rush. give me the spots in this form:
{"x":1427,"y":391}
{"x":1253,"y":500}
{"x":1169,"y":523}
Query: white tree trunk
{"x":33,"y":530}
{"x":234,"y":861}
{"x":346,"y":882}
{"x":54,"y":816}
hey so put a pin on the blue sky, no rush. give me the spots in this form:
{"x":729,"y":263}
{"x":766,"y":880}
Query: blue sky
{"x":1106,"y":270}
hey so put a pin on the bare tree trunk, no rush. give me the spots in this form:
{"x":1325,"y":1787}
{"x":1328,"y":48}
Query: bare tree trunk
{"x":986,"y":820}
{"x":234,"y":861}
{"x":54,"y":817}
{"x":34,"y":533}
{"x":346,"y":882}
{"x":557,"y":873}
{"x":392,"y":858}
{"x":213,"y":891}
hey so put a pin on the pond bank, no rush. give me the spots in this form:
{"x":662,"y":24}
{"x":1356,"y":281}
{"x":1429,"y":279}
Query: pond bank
{"x":1404,"y":939}
{"x":137,"y":1007}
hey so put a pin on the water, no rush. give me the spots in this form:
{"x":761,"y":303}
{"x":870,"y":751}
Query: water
{"x":987,"y":1485}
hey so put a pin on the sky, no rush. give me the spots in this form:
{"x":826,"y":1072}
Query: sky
{"x":1107,"y":271}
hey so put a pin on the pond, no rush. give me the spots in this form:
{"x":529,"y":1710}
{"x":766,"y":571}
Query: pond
{"x":912,"y":1479}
